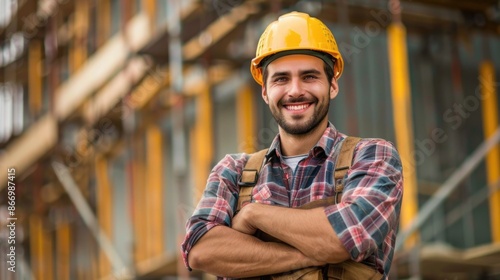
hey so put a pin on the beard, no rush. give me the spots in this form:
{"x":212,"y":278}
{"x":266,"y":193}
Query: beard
{"x":306,"y":125}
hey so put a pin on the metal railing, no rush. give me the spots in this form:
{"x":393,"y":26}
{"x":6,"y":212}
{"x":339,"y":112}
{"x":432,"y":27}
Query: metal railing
{"x":469,"y":165}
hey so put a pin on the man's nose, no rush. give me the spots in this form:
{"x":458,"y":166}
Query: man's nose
{"x":295,"y":89}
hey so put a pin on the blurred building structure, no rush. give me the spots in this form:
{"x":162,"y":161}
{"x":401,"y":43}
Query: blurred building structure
{"x":113,"y":112}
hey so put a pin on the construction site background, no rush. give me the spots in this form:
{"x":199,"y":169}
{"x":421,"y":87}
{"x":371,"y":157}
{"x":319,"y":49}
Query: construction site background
{"x":113,"y":112}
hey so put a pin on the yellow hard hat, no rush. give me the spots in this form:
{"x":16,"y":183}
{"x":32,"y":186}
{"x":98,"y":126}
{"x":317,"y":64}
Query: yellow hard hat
{"x":299,"y":32}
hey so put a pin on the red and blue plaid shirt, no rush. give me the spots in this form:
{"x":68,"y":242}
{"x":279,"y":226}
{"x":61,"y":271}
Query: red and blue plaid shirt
{"x":366,"y":220}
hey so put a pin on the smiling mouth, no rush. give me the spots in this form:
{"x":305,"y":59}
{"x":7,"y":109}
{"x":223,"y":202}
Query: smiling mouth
{"x":297,"y":107}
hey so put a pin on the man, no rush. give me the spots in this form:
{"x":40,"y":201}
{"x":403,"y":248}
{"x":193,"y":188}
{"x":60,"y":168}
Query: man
{"x":298,"y":64}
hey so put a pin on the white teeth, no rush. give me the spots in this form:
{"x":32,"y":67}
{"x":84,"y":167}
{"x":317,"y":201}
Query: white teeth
{"x":297,"y":107}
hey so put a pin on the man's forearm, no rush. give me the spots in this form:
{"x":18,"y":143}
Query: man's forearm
{"x":225,"y":252}
{"x":307,"y":230}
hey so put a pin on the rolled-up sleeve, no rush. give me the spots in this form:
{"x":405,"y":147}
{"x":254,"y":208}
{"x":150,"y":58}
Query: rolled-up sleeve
{"x":216,"y":206}
{"x":367,"y":218}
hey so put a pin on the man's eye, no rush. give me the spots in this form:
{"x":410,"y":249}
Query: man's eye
{"x":309,"y":77}
{"x":280,"y":79}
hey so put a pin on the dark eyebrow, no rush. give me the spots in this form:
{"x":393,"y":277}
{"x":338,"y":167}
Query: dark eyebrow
{"x":310,"y":71}
{"x":283,"y":73}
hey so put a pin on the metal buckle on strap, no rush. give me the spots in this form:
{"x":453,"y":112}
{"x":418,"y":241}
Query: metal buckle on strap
{"x":338,"y":197}
{"x":249,"y":177}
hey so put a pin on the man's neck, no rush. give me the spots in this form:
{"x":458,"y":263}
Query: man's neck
{"x":292,"y":145}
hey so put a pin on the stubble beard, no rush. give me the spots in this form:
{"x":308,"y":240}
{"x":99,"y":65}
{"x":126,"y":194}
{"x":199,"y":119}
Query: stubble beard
{"x":306,"y":127}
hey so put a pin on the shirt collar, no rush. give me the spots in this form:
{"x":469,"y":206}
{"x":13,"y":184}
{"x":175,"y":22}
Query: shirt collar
{"x":325,"y":146}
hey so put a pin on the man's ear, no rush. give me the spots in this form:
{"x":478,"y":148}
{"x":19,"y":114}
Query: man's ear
{"x":264,"y":95}
{"x":334,"y":88}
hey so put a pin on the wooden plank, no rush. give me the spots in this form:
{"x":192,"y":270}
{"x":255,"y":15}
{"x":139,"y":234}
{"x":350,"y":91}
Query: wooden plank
{"x":103,"y":22}
{"x":63,"y":247}
{"x":154,"y":192}
{"x":35,"y":76}
{"x":139,"y":199}
{"x":214,"y":32}
{"x":401,"y":100}
{"x":202,"y":143}
{"x":489,"y":110}
{"x":29,"y":147}
{"x":477,"y":6}
{"x":246,"y":119}
{"x":104,"y":209}
{"x":78,"y":50}
{"x":41,"y":249}
{"x":441,"y":261}
{"x":100,"y":67}
{"x":149,"y":6}
{"x":488,"y":254}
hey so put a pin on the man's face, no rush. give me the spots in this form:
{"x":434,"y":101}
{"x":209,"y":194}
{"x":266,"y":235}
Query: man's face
{"x":298,"y":93}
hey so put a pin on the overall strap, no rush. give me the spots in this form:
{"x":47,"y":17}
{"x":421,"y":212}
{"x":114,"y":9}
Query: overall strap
{"x":249,"y":177}
{"x":250,"y":174}
{"x":344,"y":162}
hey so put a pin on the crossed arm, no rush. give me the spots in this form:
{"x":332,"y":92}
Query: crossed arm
{"x":369,"y":211}
{"x":309,"y":238}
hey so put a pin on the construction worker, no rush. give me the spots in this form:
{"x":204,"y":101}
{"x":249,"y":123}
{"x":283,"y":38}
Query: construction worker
{"x":298,"y":64}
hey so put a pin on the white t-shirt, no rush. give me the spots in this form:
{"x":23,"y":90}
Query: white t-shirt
{"x":293,"y":161}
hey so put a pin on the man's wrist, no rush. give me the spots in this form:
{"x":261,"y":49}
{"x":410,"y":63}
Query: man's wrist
{"x":265,"y":217}
{"x":251,"y":216}
{"x":257,"y":212}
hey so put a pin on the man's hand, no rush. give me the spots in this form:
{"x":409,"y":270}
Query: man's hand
{"x":242,"y":222}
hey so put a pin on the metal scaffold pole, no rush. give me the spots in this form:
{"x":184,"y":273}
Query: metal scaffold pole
{"x":449,"y":186}
{"x":121,"y":271}
{"x":177,"y":110}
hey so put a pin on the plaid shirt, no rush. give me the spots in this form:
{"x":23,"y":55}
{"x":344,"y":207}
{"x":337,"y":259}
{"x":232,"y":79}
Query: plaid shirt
{"x":366,"y":220}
